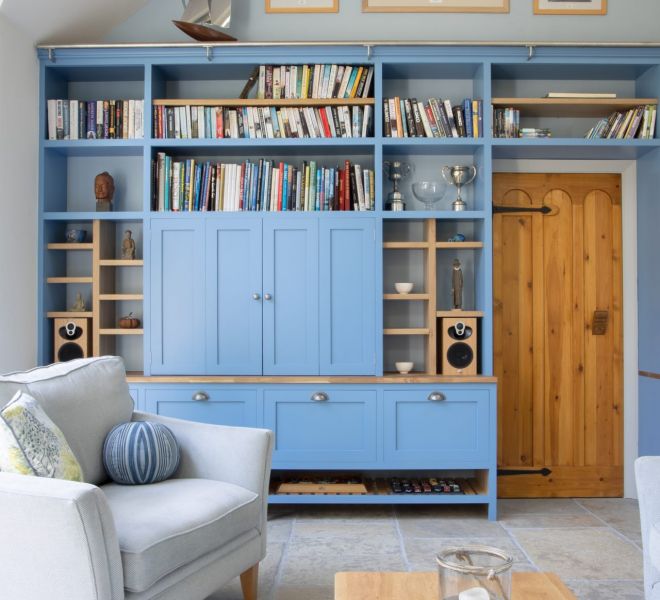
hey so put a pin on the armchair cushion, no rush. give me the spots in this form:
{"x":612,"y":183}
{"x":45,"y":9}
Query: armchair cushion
{"x":85,"y":398}
{"x":164,"y":526}
{"x":31,"y":444}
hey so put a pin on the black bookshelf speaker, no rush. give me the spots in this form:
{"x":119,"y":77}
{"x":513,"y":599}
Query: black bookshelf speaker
{"x":72,"y":339}
{"x":459,"y":346}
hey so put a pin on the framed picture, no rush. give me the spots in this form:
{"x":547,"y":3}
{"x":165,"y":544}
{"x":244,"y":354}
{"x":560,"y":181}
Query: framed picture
{"x":459,"y":6}
{"x":302,"y":6}
{"x":570,"y":7}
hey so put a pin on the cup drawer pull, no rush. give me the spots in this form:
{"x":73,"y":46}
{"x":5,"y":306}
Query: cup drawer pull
{"x":200,"y":397}
{"x":320,"y":397}
{"x":437,"y":396}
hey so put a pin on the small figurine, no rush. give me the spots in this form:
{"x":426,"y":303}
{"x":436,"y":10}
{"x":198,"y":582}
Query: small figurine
{"x":459,"y":237}
{"x":128,"y":246}
{"x":79,"y":306}
{"x":457,"y":285}
{"x":104,"y":190}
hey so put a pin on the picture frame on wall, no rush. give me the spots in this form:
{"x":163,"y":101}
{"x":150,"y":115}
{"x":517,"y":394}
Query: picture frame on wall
{"x":302,"y":6}
{"x":570,"y":7}
{"x":457,"y":6}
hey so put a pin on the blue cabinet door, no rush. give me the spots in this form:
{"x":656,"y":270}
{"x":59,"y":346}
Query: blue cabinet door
{"x":233,"y":296}
{"x":217,"y":405}
{"x":177,"y":296}
{"x":347,"y":296}
{"x":336,"y":428}
{"x":290,"y":292}
{"x":436,"y":428}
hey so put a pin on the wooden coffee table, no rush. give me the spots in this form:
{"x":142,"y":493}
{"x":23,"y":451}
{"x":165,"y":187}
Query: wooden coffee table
{"x":424,"y":586}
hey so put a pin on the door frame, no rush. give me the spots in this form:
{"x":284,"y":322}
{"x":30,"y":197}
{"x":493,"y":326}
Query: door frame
{"x":628,"y":171}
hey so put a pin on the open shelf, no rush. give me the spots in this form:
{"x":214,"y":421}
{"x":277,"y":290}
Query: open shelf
{"x":121,"y":331}
{"x":63,"y":314}
{"x":407,"y":331}
{"x":458,"y":245}
{"x":70,"y":246}
{"x":69,"y":279}
{"x":460,"y":313}
{"x":570,"y":107}
{"x":117,"y":297}
{"x":405,"y":245}
{"x":121,"y":262}
{"x":408,"y":297}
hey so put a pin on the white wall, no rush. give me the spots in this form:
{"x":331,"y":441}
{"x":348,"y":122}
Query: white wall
{"x":18,"y":197}
{"x":627,"y":20}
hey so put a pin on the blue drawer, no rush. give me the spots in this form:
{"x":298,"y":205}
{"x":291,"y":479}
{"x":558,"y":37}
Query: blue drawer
{"x":437,"y":427}
{"x":337,"y":431}
{"x":224,"y":406}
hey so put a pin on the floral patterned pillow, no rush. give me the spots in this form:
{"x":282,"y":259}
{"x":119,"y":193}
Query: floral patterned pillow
{"x":31,"y":444}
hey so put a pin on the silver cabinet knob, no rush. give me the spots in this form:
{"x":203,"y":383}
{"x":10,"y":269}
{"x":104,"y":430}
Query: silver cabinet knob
{"x":200,"y":396}
{"x":267,"y":297}
{"x":320,"y":397}
{"x":436,"y":396}
{"x":256,"y":296}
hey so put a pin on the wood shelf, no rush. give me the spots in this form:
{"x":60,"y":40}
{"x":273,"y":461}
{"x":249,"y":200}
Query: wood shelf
{"x":458,"y":245}
{"x":116,"y":297}
{"x":120,"y":262}
{"x":570,"y":107}
{"x":69,"y":280}
{"x":63,"y":314}
{"x":405,"y":245}
{"x":238,"y":102}
{"x":408,"y":297}
{"x":408,"y":331}
{"x":70,"y":246}
{"x":121,"y":331}
{"x":460,"y":313}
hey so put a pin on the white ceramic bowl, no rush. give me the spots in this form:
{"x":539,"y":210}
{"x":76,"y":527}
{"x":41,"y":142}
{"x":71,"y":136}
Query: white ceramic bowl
{"x":403,"y":367}
{"x":403,"y":288}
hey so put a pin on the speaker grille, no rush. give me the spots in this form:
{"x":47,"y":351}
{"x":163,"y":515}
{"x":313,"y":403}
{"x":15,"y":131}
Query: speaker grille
{"x":460,"y":355}
{"x":69,"y":351}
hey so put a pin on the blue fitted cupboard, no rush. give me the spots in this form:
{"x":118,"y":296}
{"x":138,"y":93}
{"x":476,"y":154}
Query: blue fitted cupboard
{"x":290,"y":320}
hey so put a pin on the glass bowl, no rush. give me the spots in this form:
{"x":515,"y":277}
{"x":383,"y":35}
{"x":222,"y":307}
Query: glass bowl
{"x":429,"y":192}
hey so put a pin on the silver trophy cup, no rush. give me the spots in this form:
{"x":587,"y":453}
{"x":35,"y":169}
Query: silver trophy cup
{"x":459,"y":176}
{"x":396,"y":171}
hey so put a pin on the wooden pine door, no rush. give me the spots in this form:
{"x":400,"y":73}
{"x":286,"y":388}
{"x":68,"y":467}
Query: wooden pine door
{"x":558,"y":334}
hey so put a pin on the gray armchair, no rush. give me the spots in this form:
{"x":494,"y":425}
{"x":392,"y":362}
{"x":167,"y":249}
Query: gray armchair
{"x":181,"y":538}
{"x":647,"y":474}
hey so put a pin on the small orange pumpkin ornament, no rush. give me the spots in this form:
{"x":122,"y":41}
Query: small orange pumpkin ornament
{"x":129,"y":322}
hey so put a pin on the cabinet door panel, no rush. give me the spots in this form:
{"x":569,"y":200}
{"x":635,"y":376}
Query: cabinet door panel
{"x":347,"y":297}
{"x":233,"y":315}
{"x":290,"y":275}
{"x":340,"y":430}
{"x":177,"y":297}
{"x":424,"y":433}
{"x":224,"y":406}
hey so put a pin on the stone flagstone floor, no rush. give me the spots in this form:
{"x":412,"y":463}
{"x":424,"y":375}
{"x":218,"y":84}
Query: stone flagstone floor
{"x":594,"y":545}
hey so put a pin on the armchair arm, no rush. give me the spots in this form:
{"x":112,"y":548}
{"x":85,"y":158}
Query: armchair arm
{"x":238,"y":455}
{"x":58,"y":541}
{"x":647,"y":475}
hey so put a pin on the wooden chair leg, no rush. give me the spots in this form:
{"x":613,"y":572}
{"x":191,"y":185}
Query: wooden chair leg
{"x":249,"y":582}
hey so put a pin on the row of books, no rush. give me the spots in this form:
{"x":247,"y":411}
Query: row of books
{"x":254,"y":122}
{"x":638,"y":122}
{"x":506,"y":123}
{"x":408,"y":117}
{"x":314,"y":81}
{"x":95,"y":119}
{"x":264,"y":185}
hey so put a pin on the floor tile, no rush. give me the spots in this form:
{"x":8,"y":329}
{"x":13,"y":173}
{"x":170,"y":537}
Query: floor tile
{"x":314,"y":561}
{"x":540,"y":506}
{"x":589,"y":553}
{"x":303,"y":592}
{"x":549,"y":521}
{"x":357,"y":528}
{"x":344,"y":512}
{"x":421,"y":553}
{"x":607,"y":590}
{"x":450,"y":526}
{"x":620,"y":513}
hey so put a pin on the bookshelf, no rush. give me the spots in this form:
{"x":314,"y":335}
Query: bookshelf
{"x":194,"y":281}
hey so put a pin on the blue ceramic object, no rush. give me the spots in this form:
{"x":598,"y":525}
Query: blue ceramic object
{"x":459,"y":237}
{"x":75,"y":235}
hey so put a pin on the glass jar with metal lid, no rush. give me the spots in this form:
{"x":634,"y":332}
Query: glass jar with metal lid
{"x":474,"y":572}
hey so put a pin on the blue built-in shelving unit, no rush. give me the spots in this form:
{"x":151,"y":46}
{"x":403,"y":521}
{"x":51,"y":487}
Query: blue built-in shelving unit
{"x":329,"y":327}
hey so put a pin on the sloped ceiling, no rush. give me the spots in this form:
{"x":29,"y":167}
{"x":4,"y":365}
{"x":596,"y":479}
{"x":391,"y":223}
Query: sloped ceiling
{"x":69,"y":21}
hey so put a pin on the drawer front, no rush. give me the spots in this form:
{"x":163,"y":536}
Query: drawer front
{"x":224,"y":406}
{"x":428,"y":427}
{"x":334,"y":430}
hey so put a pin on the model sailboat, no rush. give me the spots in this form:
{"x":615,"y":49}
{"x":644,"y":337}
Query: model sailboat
{"x":205,"y":20}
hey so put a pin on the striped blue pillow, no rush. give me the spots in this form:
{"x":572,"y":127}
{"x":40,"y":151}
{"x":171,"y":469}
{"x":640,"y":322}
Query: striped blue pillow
{"x":140,"y":452}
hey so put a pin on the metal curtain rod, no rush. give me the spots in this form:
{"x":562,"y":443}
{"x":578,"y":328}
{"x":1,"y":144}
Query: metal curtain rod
{"x":366,"y":44}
